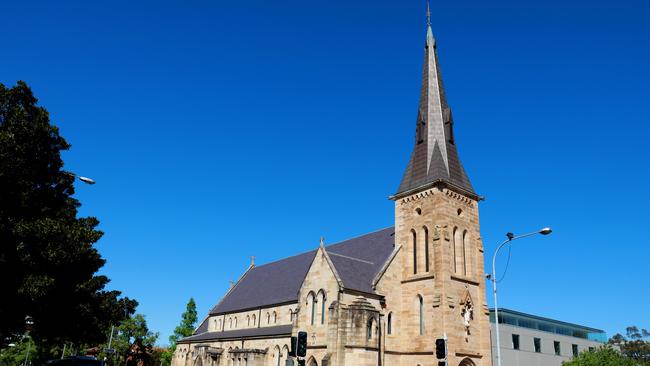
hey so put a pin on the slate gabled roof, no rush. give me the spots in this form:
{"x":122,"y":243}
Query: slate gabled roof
{"x":272,"y":283}
{"x":356,"y":260}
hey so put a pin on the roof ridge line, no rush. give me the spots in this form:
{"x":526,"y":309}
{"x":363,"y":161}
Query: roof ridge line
{"x":348,"y":257}
{"x":360,"y":235}
{"x":327,"y":246}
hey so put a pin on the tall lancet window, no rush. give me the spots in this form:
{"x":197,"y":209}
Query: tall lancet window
{"x":415,"y":252}
{"x":459,"y":252}
{"x":322,"y":307}
{"x":311,"y":299}
{"x":465,"y":249}
{"x":454,"y":241}
{"x":426,"y":249}
{"x":421,"y":313}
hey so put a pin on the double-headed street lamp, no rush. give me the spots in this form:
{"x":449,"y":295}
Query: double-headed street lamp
{"x":511,"y":238}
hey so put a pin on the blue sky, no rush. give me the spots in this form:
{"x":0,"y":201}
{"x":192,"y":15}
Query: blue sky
{"x":217,"y":130}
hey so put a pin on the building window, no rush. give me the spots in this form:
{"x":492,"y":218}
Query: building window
{"x":415,"y":252}
{"x":275,"y":317}
{"x":254,"y":320}
{"x":370,"y":326}
{"x":556,"y":347}
{"x":322,"y":307}
{"x":313,"y":308}
{"x":454,"y":243}
{"x":426,"y":249}
{"x":574,"y":350}
{"x":248,"y":321}
{"x":421,"y":313}
{"x":464,"y":253}
{"x":268,"y":318}
{"x":515,"y":341}
{"x":389,"y":323}
{"x":538,"y":345}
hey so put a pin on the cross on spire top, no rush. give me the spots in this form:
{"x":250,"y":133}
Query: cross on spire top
{"x":428,"y":13}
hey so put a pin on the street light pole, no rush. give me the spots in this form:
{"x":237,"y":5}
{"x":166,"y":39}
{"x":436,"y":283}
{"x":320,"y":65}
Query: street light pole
{"x":83,"y":179}
{"x":511,"y":238}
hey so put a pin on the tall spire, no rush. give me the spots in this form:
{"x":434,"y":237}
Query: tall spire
{"x":434,"y":158}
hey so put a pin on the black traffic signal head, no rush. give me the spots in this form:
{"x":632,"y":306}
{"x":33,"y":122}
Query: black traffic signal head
{"x":292,"y":351}
{"x":441,"y":349}
{"x":301,"y":348}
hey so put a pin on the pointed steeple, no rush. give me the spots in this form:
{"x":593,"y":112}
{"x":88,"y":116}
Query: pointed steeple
{"x":434,"y":157}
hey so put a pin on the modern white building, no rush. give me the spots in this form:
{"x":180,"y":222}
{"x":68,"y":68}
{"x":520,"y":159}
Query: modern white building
{"x":530,"y":340}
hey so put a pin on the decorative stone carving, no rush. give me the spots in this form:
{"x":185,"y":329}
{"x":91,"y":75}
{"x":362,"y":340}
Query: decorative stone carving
{"x":440,"y":230}
{"x":468,"y":315}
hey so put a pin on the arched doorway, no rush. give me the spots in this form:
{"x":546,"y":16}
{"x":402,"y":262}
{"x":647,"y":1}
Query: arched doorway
{"x":467,"y":362}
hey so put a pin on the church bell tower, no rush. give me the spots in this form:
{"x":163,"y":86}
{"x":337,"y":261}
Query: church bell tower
{"x":437,"y":226}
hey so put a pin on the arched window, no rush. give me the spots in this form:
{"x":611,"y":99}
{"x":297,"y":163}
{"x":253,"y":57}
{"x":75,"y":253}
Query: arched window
{"x":370,"y":327}
{"x":248,"y":320}
{"x":235,"y":322}
{"x":415,"y":252}
{"x":275,"y":317}
{"x":454,"y":244}
{"x":465,"y":248}
{"x":230,"y":323}
{"x":421,"y":313}
{"x":389,"y":323}
{"x":254,"y":320}
{"x":268,"y":318}
{"x":313,"y":309}
{"x":426,"y":249}
{"x":285,"y":352}
{"x":322,"y":307}
{"x":278,"y":355}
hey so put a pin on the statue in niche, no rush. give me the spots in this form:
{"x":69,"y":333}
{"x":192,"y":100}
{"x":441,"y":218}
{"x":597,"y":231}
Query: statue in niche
{"x":468,"y":315}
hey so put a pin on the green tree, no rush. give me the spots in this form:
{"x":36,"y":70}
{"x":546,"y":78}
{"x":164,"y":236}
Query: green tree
{"x":634,"y":345}
{"x":134,"y":341}
{"x":48,"y":262}
{"x":604,"y":356}
{"x":184,"y":329}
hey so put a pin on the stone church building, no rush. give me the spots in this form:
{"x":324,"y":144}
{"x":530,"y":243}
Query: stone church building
{"x":378,"y":299}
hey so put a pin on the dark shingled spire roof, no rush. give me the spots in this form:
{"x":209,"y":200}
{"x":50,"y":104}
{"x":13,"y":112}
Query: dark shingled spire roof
{"x":434,"y":157}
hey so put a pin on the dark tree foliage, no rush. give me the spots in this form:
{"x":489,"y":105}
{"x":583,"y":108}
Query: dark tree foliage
{"x":134,"y":342}
{"x":48,"y":263}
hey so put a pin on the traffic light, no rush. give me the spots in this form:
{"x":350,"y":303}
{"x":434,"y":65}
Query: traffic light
{"x":292,"y":351}
{"x":301,"y":347}
{"x":441,"y":348}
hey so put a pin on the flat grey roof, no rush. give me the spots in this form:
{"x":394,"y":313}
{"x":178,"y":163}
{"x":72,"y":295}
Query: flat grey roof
{"x":549,"y":320}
